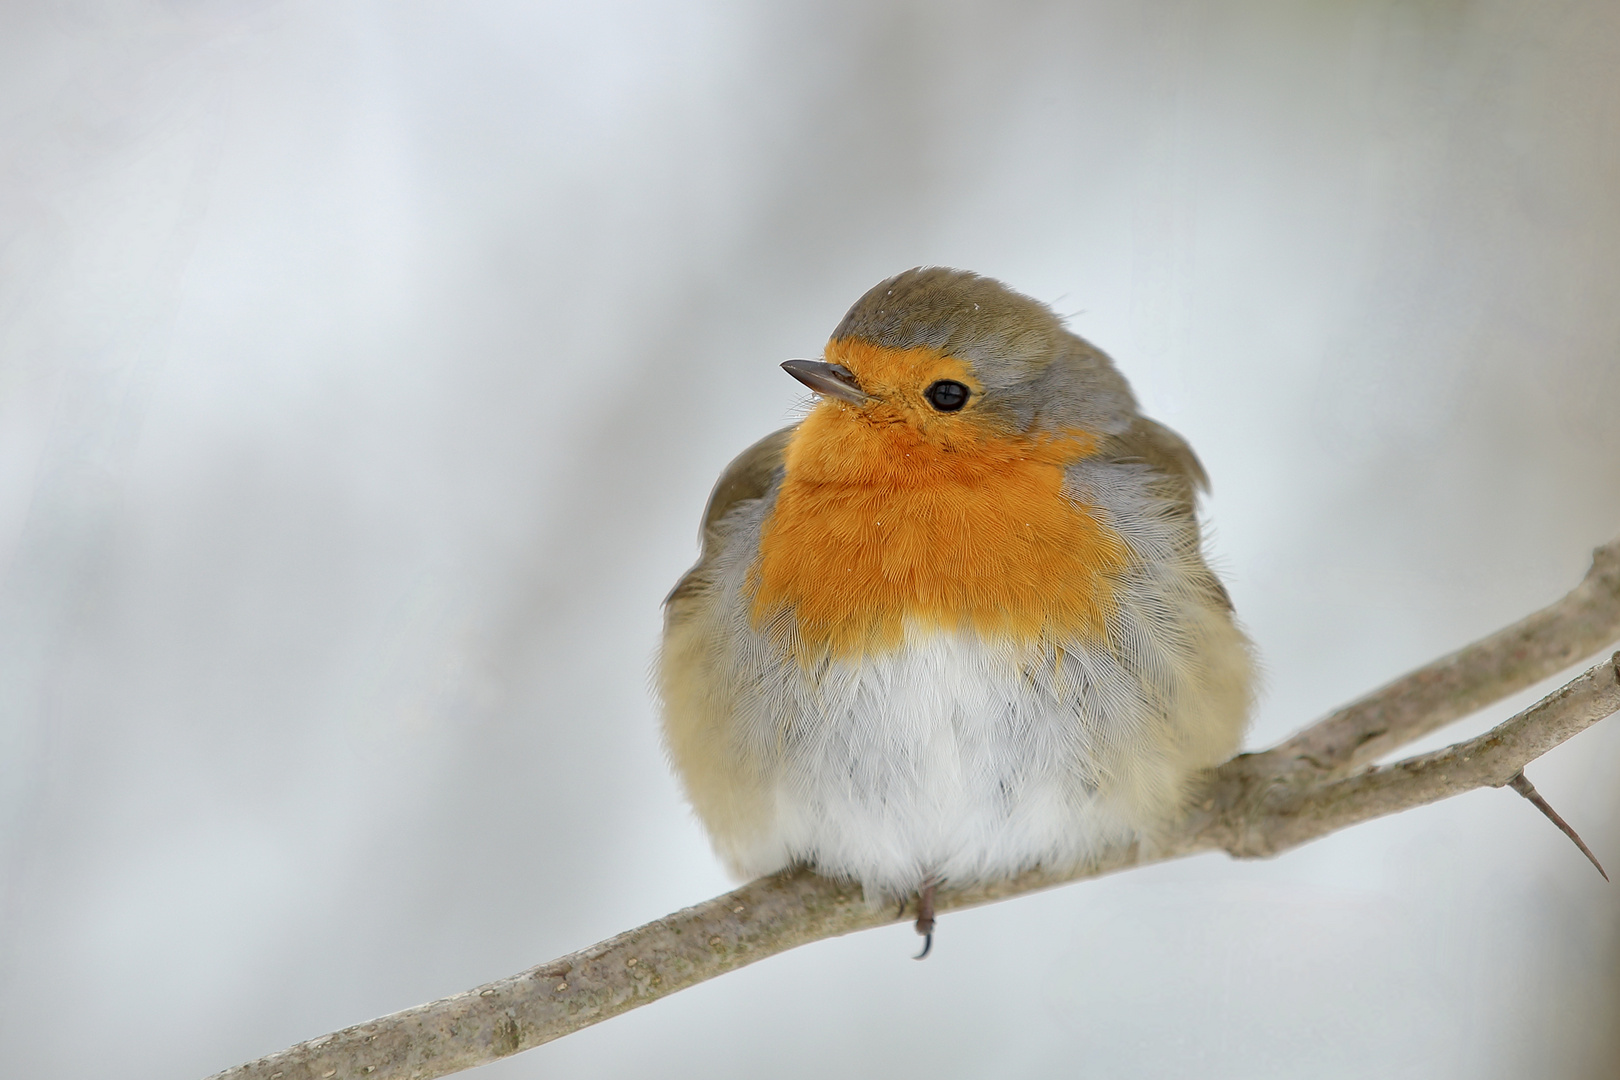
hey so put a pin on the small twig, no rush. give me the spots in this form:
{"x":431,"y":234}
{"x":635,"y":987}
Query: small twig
{"x":1521,"y":783}
{"x":1254,"y":805}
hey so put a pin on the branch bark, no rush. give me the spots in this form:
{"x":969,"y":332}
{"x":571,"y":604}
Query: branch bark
{"x":1254,"y":805}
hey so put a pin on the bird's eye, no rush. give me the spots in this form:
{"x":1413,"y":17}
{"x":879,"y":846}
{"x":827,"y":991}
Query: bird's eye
{"x":946,"y":395}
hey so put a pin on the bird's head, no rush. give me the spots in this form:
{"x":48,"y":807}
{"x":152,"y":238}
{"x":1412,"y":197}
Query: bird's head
{"x":952,"y":359}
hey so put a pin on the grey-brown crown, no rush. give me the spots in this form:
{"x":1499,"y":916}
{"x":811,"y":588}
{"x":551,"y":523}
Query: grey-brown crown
{"x":1033,"y":369}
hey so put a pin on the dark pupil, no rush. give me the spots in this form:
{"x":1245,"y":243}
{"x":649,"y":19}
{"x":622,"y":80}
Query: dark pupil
{"x":946,"y":395}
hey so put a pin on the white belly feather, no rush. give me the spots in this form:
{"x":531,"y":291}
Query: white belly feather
{"x":949,"y":758}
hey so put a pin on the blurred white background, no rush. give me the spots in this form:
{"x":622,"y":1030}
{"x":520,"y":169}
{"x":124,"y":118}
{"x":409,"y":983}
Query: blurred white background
{"x":364,"y":367}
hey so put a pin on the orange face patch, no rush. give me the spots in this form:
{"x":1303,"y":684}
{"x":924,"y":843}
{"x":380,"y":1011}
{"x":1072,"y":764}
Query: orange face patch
{"x":893,"y":511}
{"x":896,"y":378}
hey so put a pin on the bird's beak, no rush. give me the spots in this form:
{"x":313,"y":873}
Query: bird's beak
{"x":834,"y":380}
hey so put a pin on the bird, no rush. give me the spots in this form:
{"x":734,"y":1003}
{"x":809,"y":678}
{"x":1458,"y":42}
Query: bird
{"x":958,"y":621}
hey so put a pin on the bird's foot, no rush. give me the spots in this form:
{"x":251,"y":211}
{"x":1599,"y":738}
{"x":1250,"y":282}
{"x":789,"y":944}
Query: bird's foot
{"x":925,"y":916}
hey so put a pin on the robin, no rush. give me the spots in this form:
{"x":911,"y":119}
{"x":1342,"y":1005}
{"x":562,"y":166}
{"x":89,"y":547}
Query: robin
{"x":957,"y":622}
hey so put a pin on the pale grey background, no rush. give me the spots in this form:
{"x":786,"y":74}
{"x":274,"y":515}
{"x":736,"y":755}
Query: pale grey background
{"x":364,"y":367}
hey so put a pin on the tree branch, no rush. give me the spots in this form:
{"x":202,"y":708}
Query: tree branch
{"x":1254,"y":805}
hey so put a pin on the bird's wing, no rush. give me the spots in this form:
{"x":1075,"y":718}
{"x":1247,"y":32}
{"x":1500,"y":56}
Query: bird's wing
{"x":751,"y":475}
{"x":1178,"y":479}
{"x":1167,"y":454}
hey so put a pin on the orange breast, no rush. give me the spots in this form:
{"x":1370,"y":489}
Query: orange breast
{"x":875,"y":525}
